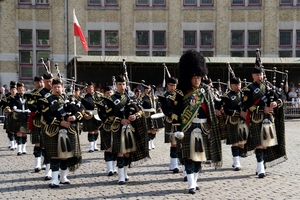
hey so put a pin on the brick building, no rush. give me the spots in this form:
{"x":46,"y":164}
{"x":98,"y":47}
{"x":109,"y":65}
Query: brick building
{"x":34,"y":29}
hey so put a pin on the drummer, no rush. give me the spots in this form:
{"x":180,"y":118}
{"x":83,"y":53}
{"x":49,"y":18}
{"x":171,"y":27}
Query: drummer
{"x":150,"y":106}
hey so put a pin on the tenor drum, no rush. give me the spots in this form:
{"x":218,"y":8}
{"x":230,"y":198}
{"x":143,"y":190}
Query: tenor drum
{"x":158,"y":121}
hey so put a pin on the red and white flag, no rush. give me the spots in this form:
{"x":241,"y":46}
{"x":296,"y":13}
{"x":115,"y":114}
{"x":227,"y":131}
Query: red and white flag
{"x":78,"y":32}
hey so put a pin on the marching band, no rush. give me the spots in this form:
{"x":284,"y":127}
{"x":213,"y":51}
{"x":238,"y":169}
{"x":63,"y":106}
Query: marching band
{"x":196,"y":118}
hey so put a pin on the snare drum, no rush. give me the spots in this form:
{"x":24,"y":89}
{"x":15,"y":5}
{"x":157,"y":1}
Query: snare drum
{"x":158,"y":120}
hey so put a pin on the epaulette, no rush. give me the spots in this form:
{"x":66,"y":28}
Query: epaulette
{"x":179,"y":92}
{"x":44,"y":100}
{"x":245,"y":89}
{"x":109,"y":98}
{"x":162,"y":95}
{"x":99,"y":94}
{"x":225,"y":95}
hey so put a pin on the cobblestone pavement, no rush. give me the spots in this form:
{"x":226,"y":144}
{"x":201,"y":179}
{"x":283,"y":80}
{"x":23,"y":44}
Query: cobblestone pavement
{"x":152,"y":179}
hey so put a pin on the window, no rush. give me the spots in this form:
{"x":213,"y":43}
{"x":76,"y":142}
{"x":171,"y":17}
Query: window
{"x":25,"y":64}
{"x":207,"y":53}
{"x":237,"y":2}
{"x":237,"y":38}
{"x":206,"y":2}
{"x":190,"y":2}
{"x":111,"y":53}
{"x":26,"y":57}
{"x":285,"y":38}
{"x":159,"y":2}
{"x":42,"y":2}
{"x":237,"y":54}
{"x":94,"y":38}
{"x":142,"y":53}
{"x":142,"y":38}
{"x":206,"y":38}
{"x":286,"y":2}
{"x":297,"y":38}
{"x":189,"y":38}
{"x":111,"y":39}
{"x":254,"y":38}
{"x":25,"y":72}
{"x":251,"y":53}
{"x":142,"y":2}
{"x":111,"y":2}
{"x":254,"y":3}
{"x":159,"y":39}
{"x":25,"y":37}
{"x":24,"y":1}
{"x":42,"y":54}
{"x":94,"y":2}
{"x":285,"y":53}
{"x":158,"y":53}
{"x":95,"y":53}
{"x":297,"y":53}
{"x":42,"y":37}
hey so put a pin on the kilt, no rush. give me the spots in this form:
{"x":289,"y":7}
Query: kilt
{"x":223,"y":126}
{"x":35,"y":135}
{"x":106,"y":139}
{"x":9,"y":122}
{"x":91,"y":125}
{"x":185,"y":143}
{"x":232,"y":134}
{"x":254,"y":138}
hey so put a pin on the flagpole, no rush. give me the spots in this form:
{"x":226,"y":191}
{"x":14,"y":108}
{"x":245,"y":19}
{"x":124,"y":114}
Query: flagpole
{"x":75,"y":59}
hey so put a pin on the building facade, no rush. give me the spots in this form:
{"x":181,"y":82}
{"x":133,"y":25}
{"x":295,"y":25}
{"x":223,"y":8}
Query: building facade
{"x":35,"y":29}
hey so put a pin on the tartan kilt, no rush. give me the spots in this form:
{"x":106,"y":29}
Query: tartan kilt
{"x":116,"y":144}
{"x":168,"y":129}
{"x":51,"y":145}
{"x":35,"y":135}
{"x":223,"y":126}
{"x":232,"y":134}
{"x":254,"y":138}
{"x":9,"y":122}
{"x":105,"y":138}
{"x":91,"y":125}
{"x":184,"y":144}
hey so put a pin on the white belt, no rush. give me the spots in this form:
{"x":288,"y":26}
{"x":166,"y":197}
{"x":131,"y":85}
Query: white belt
{"x":149,"y":110}
{"x":94,"y":112}
{"x":199,"y":121}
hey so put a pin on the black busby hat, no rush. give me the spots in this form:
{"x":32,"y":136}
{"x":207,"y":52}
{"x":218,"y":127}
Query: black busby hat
{"x":37,"y":78}
{"x":77,"y":89}
{"x":13,"y":84}
{"x":56,"y":81}
{"x":257,"y":70}
{"x":19,"y":84}
{"x":48,"y":76}
{"x":173,"y":80}
{"x":107,"y":88}
{"x":235,"y":80}
{"x":89,"y":83}
{"x":207,"y":81}
{"x":191,"y":63}
{"x":120,"y":78}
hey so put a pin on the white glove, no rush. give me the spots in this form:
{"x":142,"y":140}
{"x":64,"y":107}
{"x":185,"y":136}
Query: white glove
{"x":179,"y":135}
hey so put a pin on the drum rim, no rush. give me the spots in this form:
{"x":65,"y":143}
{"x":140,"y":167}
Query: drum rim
{"x":157,"y":115}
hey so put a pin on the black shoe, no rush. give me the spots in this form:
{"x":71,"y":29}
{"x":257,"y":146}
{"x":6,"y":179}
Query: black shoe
{"x":96,"y":149}
{"x":197,"y":188}
{"x":243,"y":155}
{"x":192,"y":191}
{"x":65,"y":183}
{"x":121,"y":182}
{"x":91,"y":151}
{"x":126,"y":179}
{"x":175,"y":171}
{"x":185,"y":179}
{"x":37,"y":169}
{"x":110,"y":173}
{"x":51,"y":185}
{"x":261,"y":175}
{"x":24,"y":152}
{"x":19,"y":153}
{"x":237,"y":169}
{"x":47,"y":178}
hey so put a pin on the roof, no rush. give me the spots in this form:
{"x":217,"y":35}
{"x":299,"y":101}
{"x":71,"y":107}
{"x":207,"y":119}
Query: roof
{"x":148,"y":59}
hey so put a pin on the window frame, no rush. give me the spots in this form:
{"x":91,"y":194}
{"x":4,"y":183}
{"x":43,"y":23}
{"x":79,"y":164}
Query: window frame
{"x":142,"y":5}
{"x":24,"y":3}
{"x":142,"y":51}
{"x":184,"y":39}
{"x":255,"y":4}
{"x":212,"y":39}
{"x":109,"y":46}
{"x":94,"y":4}
{"x":232,"y":4}
{"x":109,"y":4}
{"x":259,"y":37}
{"x":189,"y":5}
{"x":159,"y":5}
{"x":286,"y":4}
{"x":243,"y":53}
{"x":153,"y":39}
{"x":37,"y":38}
{"x":285,"y":51}
{"x":137,"y":39}
{"x":297,"y":42}
{"x":20,"y":38}
{"x":25,"y":65}
{"x":291,"y":37}
{"x":207,"y":5}
{"x":89,"y":41}
{"x":164,"y":52}
{"x":243,"y":39}
{"x":42,"y":4}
